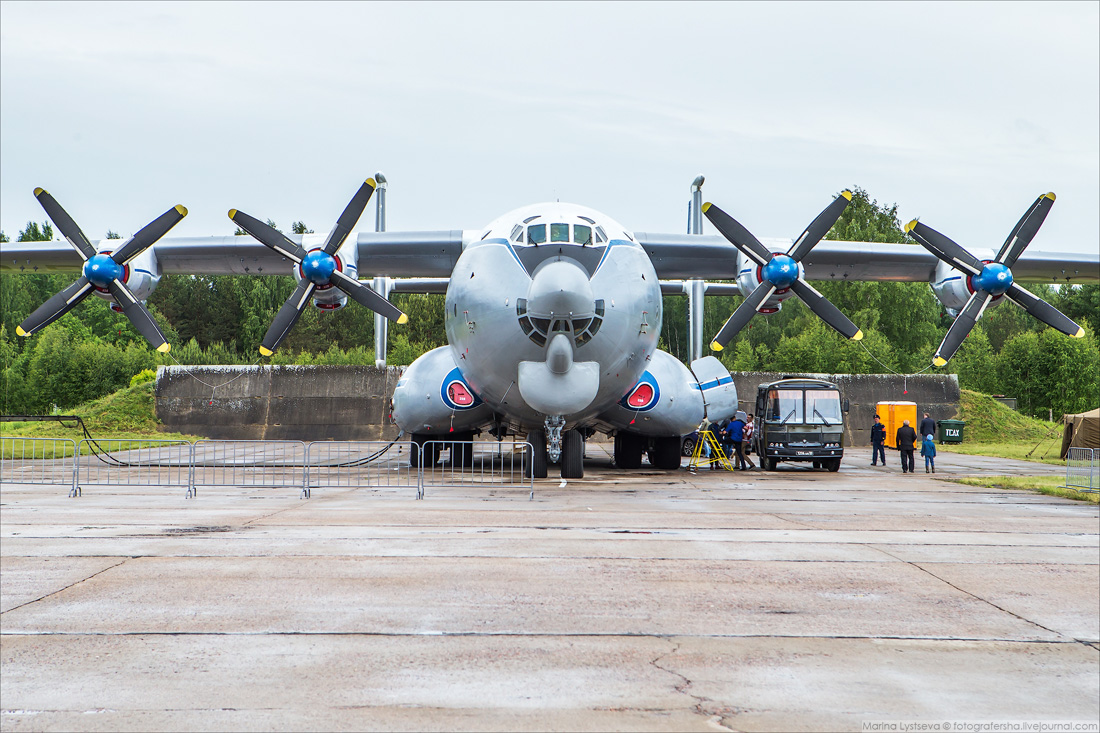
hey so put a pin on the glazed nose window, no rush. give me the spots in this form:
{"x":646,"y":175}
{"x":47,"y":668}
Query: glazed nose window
{"x":559,"y":232}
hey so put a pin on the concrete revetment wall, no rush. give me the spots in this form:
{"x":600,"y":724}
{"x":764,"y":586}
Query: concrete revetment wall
{"x":278,"y":402}
{"x":352,"y":402}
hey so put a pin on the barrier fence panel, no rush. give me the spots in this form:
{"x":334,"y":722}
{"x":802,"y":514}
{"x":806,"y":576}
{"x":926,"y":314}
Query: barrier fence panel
{"x":445,"y":463}
{"x":249,"y":464}
{"x":38,"y":461}
{"x":133,"y":462}
{"x":360,"y":463}
{"x":1083,"y":469}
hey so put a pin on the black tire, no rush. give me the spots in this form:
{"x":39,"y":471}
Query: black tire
{"x":688,"y":448}
{"x":768,"y":464}
{"x":817,"y":464}
{"x":572,"y":454}
{"x":537,"y":439}
{"x":833,"y":464}
{"x":665,"y":454}
{"x":628,"y":450}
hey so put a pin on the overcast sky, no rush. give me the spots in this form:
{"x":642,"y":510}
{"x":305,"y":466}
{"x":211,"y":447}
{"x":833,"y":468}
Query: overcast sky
{"x":960,"y":113}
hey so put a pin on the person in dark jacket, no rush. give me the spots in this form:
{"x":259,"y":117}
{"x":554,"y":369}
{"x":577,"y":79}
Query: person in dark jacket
{"x":735,"y":434}
{"x":927,"y":426}
{"x":906,"y":438}
{"x":878,"y":441}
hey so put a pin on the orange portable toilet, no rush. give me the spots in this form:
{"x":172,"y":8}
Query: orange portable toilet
{"x":893,"y":414}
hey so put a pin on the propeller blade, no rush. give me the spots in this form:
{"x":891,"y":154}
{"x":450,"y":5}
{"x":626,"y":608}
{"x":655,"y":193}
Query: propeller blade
{"x":268,"y":236}
{"x":944,"y":248}
{"x":349,"y":218}
{"x":1025,"y":230}
{"x":1044,"y":311}
{"x":819,"y":227}
{"x":738,"y":236}
{"x":286,"y":318}
{"x":149,"y":234}
{"x":55,"y":307}
{"x":65,"y":224}
{"x":825,"y":310}
{"x":965,"y":321}
{"x":742,"y":315}
{"x":139,"y":315}
{"x":365,"y":296}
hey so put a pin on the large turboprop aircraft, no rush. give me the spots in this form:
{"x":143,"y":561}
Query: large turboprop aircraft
{"x":553,"y":312}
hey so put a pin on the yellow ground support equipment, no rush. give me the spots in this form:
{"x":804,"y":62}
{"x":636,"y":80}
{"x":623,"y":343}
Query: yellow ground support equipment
{"x":717,"y":455}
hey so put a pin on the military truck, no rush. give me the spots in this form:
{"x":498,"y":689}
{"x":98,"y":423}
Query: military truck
{"x":799,"y":420}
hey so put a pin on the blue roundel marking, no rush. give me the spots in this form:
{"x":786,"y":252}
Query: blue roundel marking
{"x":456,"y":394}
{"x":994,"y":278}
{"x":644,"y":395}
{"x":317,"y":267}
{"x":101,"y":270}
{"x":781,"y":271}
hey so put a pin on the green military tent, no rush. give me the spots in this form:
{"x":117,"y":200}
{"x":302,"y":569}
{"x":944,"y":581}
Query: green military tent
{"x":1081,"y":431}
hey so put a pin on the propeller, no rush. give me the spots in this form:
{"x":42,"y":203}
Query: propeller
{"x":780,"y":272}
{"x":988,"y":281}
{"x":102,"y":272}
{"x":318,"y":267}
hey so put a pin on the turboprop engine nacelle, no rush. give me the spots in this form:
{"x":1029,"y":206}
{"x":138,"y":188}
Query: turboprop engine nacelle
{"x":327,"y":297}
{"x":748,"y":277}
{"x":141,"y":274}
{"x":954,"y":288}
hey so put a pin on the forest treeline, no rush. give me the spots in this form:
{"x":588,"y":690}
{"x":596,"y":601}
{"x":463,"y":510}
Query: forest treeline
{"x":221,"y":319}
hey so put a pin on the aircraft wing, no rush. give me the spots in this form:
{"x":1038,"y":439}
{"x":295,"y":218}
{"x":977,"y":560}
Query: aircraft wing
{"x":396,"y":254}
{"x":711,"y":257}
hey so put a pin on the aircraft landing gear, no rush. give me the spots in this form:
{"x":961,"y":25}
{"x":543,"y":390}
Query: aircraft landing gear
{"x":628,"y":450}
{"x":665,"y":453}
{"x":554,"y":424}
{"x":537,"y":439}
{"x":572,"y":454}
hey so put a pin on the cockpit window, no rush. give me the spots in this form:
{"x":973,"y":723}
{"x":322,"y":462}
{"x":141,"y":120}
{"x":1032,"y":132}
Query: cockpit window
{"x":536,"y":234}
{"x":559,"y":232}
{"x":582,"y":234}
{"x":600,"y":235}
{"x":517,"y":233}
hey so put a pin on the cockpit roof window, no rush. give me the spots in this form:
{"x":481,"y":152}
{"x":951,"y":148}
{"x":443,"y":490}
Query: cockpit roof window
{"x":590,"y":221}
{"x":582,"y":234}
{"x":517,"y":233}
{"x":530,"y":219}
{"x":600,"y":235}
{"x":559,"y":232}
{"x":536,"y":234}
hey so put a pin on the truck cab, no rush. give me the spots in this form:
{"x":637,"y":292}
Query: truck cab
{"x":799,"y":420}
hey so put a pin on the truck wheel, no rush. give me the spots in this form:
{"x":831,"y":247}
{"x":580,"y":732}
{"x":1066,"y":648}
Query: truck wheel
{"x":833,"y":464}
{"x":537,"y":439}
{"x":768,"y":464}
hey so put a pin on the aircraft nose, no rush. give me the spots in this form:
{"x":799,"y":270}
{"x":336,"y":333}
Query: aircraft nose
{"x":560,"y":288}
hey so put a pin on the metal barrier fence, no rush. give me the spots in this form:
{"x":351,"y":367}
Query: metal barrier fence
{"x":473,"y":464}
{"x":361,"y":464}
{"x":1083,"y":469}
{"x":38,"y":461}
{"x":132,"y":462}
{"x":248,"y":464}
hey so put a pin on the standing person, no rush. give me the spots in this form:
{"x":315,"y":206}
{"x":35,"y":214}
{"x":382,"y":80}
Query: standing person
{"x":927,"y":426}
{"x":715,"y":429}
{"x":906,"y":438}
{"x":746,"y":444}
{"x":735,"y":435}
{"x":878,"y":442}
{"x":928,"y":450}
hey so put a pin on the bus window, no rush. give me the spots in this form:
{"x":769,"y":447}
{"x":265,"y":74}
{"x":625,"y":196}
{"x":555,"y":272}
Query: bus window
{"x":823,"y":407}
{"x":785,"y":405}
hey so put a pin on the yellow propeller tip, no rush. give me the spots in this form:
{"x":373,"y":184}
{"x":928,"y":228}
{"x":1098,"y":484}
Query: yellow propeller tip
{"x":232,"y":213}
{"x":266,"y":351}
{"x":858,"y":336}
{"x":910,"y":225}
{"x":715,"y":346}
{"x":19,"y":330}
{"x":706,"y":206}
{"x":846,"y":194}
{"x":371,"y":182}
{"x":39,"y":191}
{"x":1050,"y":195}
{"x":1080,"y":333}
{"x":181,"y":209}
{"x":939,"y":361}
{"x":164,"y":348}
{"x":403,"y":319}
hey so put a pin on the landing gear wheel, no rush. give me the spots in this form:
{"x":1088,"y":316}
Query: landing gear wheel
{"x":572,"y":454}
{"x":628,"y":450}
{"x":537,"y":439}
{"x":665,"y":454}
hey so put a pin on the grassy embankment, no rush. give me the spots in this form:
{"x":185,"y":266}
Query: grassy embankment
{"x":992,"y":429}
{"x":127,"y":413}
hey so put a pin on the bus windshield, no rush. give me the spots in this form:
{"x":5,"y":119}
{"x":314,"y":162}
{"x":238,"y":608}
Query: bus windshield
{"x":785,"y":405}
{"x":823,"y":407}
